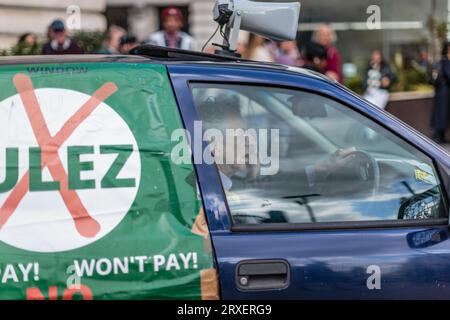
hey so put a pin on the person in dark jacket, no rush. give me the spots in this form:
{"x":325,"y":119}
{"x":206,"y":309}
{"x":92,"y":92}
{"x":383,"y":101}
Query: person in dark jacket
{"x":440,"y":79}
{"x":60,"y":43}
{"x":315,"y":57}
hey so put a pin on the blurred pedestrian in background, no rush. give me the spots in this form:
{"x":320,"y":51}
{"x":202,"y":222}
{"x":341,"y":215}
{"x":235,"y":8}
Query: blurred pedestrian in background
{"x":315,"y":57}
{"x":377,"y":80}
{"x":241,"y":47}
{"x":257,"y":49}
{"x":441,"y":80}
{"x":172,"y":36}
{"x":127,"y":43}
{"x":59,"y":42}
{"x":286,"y":52}
{"x":423,"y":62}
{"x":27,"y":39}
{"x":112,"y":43}
{"x":325,"y":36}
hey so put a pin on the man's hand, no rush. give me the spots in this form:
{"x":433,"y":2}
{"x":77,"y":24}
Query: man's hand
{"x":336,"y":162}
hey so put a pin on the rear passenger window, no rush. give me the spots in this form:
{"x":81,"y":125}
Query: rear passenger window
{"x":309,"y":159}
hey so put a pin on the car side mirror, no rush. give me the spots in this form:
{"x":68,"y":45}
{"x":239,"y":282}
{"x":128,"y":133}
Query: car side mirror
{"x":421,"y":206}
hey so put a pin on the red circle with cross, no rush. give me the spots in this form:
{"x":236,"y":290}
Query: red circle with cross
{"x":54,"y":119}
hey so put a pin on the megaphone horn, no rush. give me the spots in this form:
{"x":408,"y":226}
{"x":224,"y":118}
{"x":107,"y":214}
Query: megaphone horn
{"x":276,"y":21}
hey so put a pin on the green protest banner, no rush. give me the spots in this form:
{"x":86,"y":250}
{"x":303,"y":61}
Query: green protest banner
{"x":91,"y":206}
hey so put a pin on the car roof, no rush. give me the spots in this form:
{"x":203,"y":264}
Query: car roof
{"x":161,"y":55}
{"x":72,"y":58}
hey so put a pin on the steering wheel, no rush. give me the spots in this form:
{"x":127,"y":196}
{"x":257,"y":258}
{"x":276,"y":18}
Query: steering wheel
{"x":355,"y":172}
{"x":366,"y":168}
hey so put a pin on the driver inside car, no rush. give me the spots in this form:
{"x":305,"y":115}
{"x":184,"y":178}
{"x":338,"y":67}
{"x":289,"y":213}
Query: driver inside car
{"x":223,"y":112}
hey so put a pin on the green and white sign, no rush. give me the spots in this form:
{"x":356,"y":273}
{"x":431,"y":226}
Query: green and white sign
{"x":91,"y":205}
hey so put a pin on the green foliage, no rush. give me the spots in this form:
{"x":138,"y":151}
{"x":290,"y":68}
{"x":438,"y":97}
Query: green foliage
{"x":441,"y":28}
{"x":22,"y":49}
{"x":89,"y":41}
{"x":410,"y":78}
{"x":355,"y":84}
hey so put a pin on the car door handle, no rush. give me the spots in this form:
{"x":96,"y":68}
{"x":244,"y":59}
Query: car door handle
{"x":262,"y":274}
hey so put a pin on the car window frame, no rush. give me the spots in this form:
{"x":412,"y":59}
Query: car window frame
{"x":372,"y":224}
{"x":341,"y":225}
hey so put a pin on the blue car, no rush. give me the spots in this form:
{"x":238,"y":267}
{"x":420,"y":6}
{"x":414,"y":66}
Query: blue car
{"x":341,"y":200}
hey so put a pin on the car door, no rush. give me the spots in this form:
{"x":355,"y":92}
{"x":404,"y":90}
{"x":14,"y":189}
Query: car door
{"x":343,"y":201}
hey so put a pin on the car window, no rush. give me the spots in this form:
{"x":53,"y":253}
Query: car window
{"x":314,"y":159}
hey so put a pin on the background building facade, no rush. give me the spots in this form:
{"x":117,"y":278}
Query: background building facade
{"x":404,"y":23}
{"x":141,"y":17}
{"x":21,"y":16}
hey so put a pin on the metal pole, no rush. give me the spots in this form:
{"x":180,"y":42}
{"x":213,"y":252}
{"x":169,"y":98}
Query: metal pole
{"x":448,"y":20}
{"x":434,"y":35}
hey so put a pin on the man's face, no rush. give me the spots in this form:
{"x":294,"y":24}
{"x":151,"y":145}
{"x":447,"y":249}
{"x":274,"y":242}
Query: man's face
{"x":325,"y":36}
{"x":231,"y":149}
{"x":172,"y":24}
{"x":60,"y":36}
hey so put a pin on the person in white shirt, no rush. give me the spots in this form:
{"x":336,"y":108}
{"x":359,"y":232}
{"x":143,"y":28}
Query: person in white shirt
{"x":171,"y":36}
